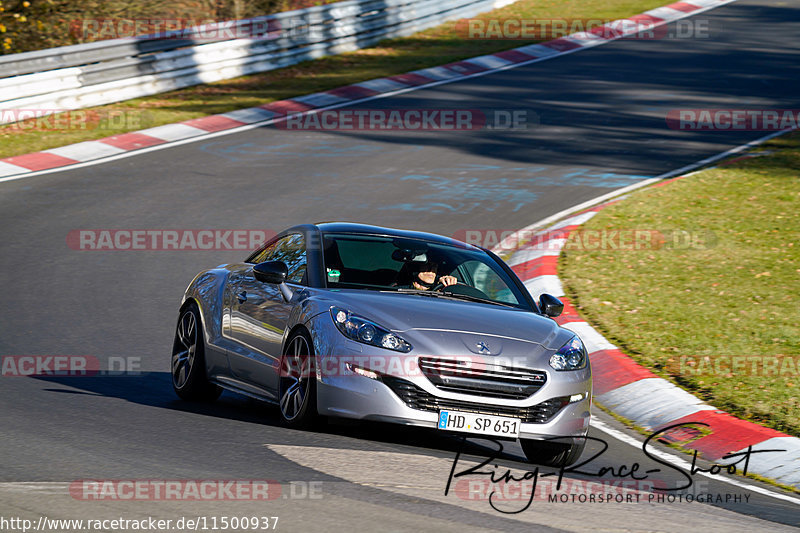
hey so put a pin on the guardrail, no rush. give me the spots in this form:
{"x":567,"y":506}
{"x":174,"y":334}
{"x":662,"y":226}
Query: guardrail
{"x":102,"y":72}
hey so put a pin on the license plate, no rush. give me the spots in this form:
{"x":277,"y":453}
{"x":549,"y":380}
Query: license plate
{"x":498,"y":426}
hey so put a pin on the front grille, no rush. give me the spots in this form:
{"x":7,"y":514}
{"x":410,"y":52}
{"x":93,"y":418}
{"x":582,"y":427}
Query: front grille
{"x":417,"y":398}
{"x":483,"y":379}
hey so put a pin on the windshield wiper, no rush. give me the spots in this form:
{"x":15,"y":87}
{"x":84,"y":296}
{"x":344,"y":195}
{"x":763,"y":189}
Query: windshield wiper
{"x":434,"y":294}
{"x":437,"y":294}
{"x":478,"y":299}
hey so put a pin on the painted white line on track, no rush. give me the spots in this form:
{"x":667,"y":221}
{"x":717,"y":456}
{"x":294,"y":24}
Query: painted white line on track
{"x":686,"y":465}
{"x":47,"y":487}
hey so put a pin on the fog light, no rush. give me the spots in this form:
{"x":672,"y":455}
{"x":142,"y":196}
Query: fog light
{"x":361,"y":371}
{"x":577,"y":397}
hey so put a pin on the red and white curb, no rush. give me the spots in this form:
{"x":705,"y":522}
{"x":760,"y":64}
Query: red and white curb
{"x":633,"y":391}
{"x":126,"y":144}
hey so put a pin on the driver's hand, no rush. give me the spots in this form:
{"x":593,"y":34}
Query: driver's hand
{"x":446,"y":281}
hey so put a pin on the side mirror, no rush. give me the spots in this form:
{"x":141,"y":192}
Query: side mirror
{"x":550,"y":305}
{"x":271,"y":272}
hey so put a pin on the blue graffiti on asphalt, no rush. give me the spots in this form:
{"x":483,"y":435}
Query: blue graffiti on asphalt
{"x":493,"y":187}
{"x":462,"y":189}
{"x":467,"y":193}
{"x":253,"y":151}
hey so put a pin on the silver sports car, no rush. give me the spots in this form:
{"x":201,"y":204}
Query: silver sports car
{"x":358,"y":321}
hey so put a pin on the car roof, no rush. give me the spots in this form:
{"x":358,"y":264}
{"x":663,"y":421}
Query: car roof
{"x":366,"y":229}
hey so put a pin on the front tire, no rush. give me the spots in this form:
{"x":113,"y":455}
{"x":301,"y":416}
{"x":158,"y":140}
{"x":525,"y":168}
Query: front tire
{"x":188,"y":359}
{"x":298,"y":398}
{"x":551,"y":453}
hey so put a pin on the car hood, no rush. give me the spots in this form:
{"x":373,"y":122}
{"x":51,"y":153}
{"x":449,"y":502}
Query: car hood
{"x":413,"y":316}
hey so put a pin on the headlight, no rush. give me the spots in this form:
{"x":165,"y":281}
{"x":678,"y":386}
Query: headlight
{"x":571,"y":356}
{"x":367,"y":332}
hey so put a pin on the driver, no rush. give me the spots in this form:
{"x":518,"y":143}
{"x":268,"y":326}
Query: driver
{"x":425,"y":277}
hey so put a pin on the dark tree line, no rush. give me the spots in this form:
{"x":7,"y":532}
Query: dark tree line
{"x":37,"y":24}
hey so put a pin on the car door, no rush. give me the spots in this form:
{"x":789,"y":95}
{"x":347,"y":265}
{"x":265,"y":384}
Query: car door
{"x":259,"y":315}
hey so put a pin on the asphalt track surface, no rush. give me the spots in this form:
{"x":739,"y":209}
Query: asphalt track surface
{"x":602,"y":127}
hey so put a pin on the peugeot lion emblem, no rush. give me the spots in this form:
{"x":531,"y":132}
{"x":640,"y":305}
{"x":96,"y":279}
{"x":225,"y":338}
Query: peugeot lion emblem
{"x":483,"y":347}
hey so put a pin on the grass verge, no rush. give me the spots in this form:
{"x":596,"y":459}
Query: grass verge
{"x":688,"y":308}
{"x":436,"y":46}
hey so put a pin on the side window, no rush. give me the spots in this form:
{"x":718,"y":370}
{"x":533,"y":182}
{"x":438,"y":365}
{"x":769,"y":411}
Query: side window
{"x":292,"y":251}
{"x":487,"y":281}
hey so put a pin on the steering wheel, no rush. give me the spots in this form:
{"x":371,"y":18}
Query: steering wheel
{"x":461,"y":288}
{"x":439,"y":286}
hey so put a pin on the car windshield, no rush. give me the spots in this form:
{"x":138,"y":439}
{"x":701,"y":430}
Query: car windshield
{"x":357,"y":261}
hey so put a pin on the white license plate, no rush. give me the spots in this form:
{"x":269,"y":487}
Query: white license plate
{"x":499,"y":426}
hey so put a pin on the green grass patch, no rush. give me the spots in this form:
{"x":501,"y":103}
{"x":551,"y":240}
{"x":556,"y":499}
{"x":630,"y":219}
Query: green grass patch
{"x":436,"y":46}
{"x":731,"y":292}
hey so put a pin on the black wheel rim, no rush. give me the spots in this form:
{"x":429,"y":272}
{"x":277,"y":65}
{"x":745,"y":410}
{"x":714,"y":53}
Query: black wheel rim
{"x":185,"y":349}
{"x":295,"y":375}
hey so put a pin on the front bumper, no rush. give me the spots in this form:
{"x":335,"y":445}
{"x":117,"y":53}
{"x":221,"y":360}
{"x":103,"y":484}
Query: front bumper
{"x":368,"y":399}
{"x":343,"y":393}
